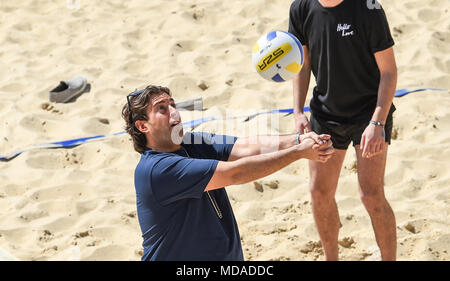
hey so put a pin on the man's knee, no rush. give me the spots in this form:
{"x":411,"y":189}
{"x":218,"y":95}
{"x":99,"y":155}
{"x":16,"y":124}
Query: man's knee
{"x":322,"y":191}
{"x":373,"y":198}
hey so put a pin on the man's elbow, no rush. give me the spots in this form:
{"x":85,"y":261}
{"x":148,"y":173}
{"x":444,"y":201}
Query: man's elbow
{"x":394,"y":71}
{"x":237,"y":176}
{"x":227,"y":173}
{"x":390,"y":74}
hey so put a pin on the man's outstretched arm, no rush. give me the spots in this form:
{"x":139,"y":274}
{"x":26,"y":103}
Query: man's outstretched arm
{"x":255,"y":145}
{"x":254,"y":167}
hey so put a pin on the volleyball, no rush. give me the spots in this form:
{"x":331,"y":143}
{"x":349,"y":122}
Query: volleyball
{"x":277,"y":56}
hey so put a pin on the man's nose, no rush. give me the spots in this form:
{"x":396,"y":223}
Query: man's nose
{"x":173,"y":112}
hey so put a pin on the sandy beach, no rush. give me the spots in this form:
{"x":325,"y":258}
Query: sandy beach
{"x":79,"y":203}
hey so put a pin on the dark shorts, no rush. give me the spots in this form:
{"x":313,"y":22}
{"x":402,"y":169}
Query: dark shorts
{"x":343,"y":134}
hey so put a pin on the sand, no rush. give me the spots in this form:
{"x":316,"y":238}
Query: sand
{"x":79,"y":203}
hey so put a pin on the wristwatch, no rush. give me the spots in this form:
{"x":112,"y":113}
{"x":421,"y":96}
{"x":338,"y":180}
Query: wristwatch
{"x":377,"y":123}
{"x":297,"y":138}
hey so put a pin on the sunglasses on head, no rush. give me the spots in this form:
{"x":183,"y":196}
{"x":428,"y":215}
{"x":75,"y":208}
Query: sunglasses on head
{"x":133,"y":94}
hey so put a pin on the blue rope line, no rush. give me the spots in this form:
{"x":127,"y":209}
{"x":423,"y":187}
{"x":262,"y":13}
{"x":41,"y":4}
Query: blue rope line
{"x":186,"y":125}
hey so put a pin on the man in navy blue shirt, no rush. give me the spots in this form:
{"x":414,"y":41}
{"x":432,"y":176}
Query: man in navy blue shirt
{"x":183,"y":210}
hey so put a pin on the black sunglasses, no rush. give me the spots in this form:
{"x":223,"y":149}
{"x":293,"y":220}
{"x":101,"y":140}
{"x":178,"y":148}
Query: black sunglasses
{"x":130,"y":114}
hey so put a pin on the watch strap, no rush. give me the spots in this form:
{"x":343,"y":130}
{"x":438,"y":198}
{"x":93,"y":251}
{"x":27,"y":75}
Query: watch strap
{"x":377,"y":123}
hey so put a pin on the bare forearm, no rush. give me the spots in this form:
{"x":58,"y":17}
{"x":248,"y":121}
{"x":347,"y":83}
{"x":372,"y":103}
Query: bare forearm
{"x":257,"y":166}
{"x":301,"y":84}
{"x":255,"y":145}
{"x":386,"y":91}
{"x":388,"y":82}
{"x":300,"y":89}
{"x":254,"y":167}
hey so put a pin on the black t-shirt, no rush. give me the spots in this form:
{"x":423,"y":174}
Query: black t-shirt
{"x":342,"y":41}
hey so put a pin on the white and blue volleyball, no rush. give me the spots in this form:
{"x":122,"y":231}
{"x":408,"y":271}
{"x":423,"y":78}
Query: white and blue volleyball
{"x":277,"y":56}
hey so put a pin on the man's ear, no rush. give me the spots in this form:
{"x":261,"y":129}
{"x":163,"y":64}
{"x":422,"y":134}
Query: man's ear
{"x":142,"y":126}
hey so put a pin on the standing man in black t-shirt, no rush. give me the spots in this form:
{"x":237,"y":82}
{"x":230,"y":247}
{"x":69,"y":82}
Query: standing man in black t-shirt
{"x":348,"y":47}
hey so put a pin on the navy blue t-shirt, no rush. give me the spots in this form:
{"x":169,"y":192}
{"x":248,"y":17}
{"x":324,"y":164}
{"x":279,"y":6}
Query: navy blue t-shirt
{"x":176,"y":216}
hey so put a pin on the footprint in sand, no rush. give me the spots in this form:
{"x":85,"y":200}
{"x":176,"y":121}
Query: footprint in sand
{"x":76,"y":56}
{"x":204,"y":63}
{"x":13,"y":189}
{"x":183,"y":46}
{"x":97,"y":52}
{"x":445,"y":67}
{"x":34,"y":214}
{"x":12,"y":87}
{"x":18,"y":236}
{"x":61,"y":223}
{"x":115,"y":252}
{"x":429,"y":15}
{"x":182,"y":84}
{"x":131,"y":37}
{"x":23,"y":26}
{"x":84,"y":207}
{"x":254,"y":212}
{"x":137,"y":67}
{"x":413,"y":188}
{"x":439,"y":42}
{"x":441,"y":246}
{"x":67,"y":190}
{"x":46,"y":160}
{"x":96,"y":126}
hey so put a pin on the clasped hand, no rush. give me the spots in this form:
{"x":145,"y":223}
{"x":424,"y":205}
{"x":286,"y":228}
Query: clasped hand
{"x":321,"y":145}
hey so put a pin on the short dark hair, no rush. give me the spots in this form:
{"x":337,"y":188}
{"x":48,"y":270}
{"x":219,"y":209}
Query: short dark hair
{"x":138,"y":105}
